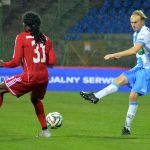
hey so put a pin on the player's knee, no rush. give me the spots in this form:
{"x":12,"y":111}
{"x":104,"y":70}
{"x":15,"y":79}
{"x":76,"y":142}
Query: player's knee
{"x":121,"y":80}
{"x":133,"y":96}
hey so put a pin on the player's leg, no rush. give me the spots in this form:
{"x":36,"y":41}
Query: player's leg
{"x":2,"y":91}
{"x":37,"y":96}
{"x":132,"y":109}
{"x":95,"y":97}
{"x":112,"y":88}
{"x":139,"y":82}
{"x":39,"y":109}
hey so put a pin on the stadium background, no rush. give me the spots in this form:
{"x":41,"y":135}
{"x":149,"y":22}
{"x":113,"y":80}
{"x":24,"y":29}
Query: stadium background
{"x":86,"y":126}
{"x":82,"y":30}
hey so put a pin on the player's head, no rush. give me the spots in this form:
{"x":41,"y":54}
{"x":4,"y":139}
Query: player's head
{"x":31,"y":22}
{"x":137,"y":20}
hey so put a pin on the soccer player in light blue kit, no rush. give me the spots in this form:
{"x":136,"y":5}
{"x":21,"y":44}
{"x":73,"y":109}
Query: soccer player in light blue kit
{"x":138,"y":78}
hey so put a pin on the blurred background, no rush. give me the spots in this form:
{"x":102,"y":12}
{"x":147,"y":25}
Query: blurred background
{"x":82,"y":31}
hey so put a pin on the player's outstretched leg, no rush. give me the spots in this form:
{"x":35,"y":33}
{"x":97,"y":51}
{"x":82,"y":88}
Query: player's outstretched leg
{"x":95,"y":97}
{"x":89,"y":96}
{"x":1,"y":99}
{"x":125,"y":131}
{"x":3,"y":90}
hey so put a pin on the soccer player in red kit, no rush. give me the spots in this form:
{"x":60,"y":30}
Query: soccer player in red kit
{"x":35,"y":51}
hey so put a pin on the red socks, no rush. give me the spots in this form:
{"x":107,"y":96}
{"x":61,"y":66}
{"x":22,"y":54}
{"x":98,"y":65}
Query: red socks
{"x":1,"y":99}
{"x":39,"y":109}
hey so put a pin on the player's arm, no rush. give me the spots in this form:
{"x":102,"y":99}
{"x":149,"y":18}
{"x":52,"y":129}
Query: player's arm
{"x":131,"y":51}
{"x":51,"y":56}
{"x":17,"y":56}
{"x":1,"y":62}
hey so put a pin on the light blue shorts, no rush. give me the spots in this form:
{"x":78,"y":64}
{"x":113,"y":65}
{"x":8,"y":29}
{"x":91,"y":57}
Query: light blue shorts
{"x":138,"y":80}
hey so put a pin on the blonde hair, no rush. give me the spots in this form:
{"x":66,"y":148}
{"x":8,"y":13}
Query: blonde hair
{"x":140,"y":13}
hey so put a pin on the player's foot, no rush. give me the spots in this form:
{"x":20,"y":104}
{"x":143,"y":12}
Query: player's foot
{"x":125,"y":131}
{"x":89,"y":96}
{"x":44,"y":134}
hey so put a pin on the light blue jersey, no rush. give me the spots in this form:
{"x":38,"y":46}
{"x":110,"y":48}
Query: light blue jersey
{"x":139,"y":76}
{"x":143,"y":55}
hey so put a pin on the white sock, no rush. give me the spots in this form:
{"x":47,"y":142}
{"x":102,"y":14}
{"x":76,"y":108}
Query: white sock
{"x":130,"y":114}
{"x":108,"y":90}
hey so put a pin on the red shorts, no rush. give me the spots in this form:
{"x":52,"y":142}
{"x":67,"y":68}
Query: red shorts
{"x":18,"y":87}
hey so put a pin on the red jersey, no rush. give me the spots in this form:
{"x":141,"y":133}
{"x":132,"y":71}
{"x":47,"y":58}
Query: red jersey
{"x":34,"y":57}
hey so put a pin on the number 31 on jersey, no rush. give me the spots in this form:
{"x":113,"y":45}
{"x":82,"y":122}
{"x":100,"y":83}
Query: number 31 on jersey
{"x":41,"y":57}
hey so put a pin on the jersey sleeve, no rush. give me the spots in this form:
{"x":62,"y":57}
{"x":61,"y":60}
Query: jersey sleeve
{"x":142,"y":37}
{"x":51,"y":55}
{"x":17,"y":56}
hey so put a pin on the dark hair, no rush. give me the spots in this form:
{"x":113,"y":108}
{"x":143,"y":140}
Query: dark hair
{"x":33,"y":20}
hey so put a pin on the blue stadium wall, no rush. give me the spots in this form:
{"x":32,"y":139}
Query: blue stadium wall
{"x":74,"y":79}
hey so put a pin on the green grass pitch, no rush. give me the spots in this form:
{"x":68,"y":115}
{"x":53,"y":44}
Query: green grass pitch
{"x":86,"y":126}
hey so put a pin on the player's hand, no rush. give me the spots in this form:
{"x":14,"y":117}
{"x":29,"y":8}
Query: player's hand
{"x":1,"y":61}
{"x":110,"y":56}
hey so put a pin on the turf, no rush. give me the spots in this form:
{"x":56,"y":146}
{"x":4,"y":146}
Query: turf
{"x":86,"y":126}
